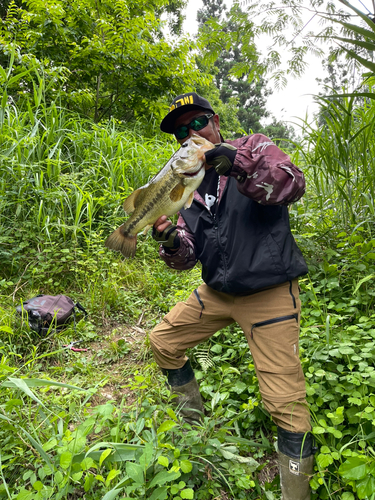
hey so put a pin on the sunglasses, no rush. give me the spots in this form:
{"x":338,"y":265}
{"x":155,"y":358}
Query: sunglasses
{"x":197,"y":124}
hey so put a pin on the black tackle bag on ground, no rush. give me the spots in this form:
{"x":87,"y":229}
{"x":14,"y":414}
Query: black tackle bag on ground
{"x":50,"y":312}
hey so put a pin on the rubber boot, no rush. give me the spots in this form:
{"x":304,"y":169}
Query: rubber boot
{"x":296,"y":463}
{"x":188,"y":401}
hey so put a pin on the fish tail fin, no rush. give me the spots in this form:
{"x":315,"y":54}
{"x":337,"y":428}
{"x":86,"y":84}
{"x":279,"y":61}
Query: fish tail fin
{"x":120,"y":241}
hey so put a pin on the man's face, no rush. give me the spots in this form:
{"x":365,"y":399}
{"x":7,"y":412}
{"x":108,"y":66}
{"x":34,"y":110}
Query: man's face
{"x":211,"y":132}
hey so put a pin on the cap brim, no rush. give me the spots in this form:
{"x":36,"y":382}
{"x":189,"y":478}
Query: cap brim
{"x":167,"y":124}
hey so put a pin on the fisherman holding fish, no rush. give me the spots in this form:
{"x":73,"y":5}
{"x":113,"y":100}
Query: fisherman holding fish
{"x":237,"y":226}
{"x":232,"y":198}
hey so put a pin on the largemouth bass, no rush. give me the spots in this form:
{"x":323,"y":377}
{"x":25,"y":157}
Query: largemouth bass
{"x":170,"y":190}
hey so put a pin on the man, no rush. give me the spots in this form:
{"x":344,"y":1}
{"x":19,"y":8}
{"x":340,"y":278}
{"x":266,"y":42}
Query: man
{"x":238,"y":228}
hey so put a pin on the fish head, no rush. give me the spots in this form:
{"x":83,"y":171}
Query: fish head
{"x":188,"y":160}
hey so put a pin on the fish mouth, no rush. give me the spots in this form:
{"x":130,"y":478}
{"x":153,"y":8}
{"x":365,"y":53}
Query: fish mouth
{"x":193,"y":174}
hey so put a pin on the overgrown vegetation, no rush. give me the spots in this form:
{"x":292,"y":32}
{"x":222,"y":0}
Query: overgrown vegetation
{"x":100,"y":424}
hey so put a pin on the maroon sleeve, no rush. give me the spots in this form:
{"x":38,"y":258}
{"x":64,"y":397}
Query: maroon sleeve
{"x":265,"y":173}
{"x":184,"y":258}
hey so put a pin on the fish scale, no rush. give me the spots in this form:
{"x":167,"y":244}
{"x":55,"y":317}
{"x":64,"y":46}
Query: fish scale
{"x":168,"y":191}
{"x":149,"y":206}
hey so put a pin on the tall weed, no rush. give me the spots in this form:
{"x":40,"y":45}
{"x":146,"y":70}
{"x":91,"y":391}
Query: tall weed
{"x":338,"y":158}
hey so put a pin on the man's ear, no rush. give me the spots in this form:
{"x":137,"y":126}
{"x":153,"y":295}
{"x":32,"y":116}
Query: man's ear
{"x":217,"y":122}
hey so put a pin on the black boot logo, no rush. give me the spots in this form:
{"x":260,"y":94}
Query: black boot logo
{"x":294,"y":467}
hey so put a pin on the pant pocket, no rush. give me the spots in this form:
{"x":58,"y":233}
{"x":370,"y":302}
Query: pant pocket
{"x":181,"y":314}
{"x":273,"y":321}
{"x":274,"y":344}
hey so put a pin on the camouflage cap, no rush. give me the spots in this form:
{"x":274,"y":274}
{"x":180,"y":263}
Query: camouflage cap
{"x":182,"y":104}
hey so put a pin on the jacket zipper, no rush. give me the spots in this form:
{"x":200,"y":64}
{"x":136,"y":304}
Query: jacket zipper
{"x":216,"y":228}
{"x":273,"y":321}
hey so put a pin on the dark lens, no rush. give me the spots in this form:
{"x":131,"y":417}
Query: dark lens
{"x":199,"y":123}
{"x":181,"y":132}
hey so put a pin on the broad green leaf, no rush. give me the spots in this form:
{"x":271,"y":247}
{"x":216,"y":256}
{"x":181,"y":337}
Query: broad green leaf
{"x":365,"y":62}
{"x":104,"y":455}
{"x":112,"y":474}
{"x":346,"y":350}
{"x":163,"y":461}
{"x":88,"y":482}
{"x":87,"y":463}
{"x":164,"y":477}
{"x":147,"y":455}
{"x":110,"y":495}
{"x":38,"y":486}
{"x":347,"y":496}
{"x":3,"y":328}
{"x":354,"y":468}
{"x":172,"y":414}
{"x":186,"y":466}
{"x":358,"y":43}
{"x":77,"y":476}
{"x":159,"y":494}
{"x":238,"y":387}
{"x":324,"y":460}
{"x":122,"y":451}
{"x":250,"y":461}
{"x":166,"y":426}
{"x":25,"y":495}
{"x":135,"y":471}
{"x":66,"y":459}
{"x":188,"y":493}
{"x":50,"y":444}
{"x":58,"y":477}
{"x":216,"y":348}
{"x":366,"y":487}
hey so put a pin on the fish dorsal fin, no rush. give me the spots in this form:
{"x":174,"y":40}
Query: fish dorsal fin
{"x":130,"y":201}
{"x":189,"y":201}
{"x":177,"y":192}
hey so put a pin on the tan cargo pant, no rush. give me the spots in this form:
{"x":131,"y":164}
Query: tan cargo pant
{"x":270,"y":321}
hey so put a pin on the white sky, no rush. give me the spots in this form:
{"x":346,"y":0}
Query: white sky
{"x":296,"y":99}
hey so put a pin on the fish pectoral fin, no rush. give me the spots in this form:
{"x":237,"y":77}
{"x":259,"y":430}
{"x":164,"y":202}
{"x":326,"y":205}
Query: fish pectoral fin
{"x":177,"y":192}
{"x":149,"y":226}
{"x":130,"y":201}
{"x":189,"y":201}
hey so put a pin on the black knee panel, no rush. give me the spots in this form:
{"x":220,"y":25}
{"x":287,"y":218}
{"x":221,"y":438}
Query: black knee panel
{"x":295,"y":444}
{"x":180,"y":376}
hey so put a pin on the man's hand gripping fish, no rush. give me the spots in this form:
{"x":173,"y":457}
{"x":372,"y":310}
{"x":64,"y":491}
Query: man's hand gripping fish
{"x":170,"y":190}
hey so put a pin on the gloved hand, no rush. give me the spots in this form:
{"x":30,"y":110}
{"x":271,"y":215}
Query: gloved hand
{"x":221,"y":158}
{"x":168,"y":238}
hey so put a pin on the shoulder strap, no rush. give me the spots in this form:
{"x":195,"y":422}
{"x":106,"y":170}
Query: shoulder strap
{"x":81,"y":308}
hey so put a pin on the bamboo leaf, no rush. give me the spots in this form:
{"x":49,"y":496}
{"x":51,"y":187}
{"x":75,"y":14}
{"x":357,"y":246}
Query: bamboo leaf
{"x":361,"y":14}
{"x":37,"y":382}
{"x":359,"y":43}
{"x":363,"y":280}
{"x":368,"y":64}
{"x":22,"y":385}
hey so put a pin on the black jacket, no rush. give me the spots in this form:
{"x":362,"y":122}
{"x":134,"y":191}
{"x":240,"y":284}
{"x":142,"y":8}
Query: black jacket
{"x":245,"y":246}
{"x":248,"y":245}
